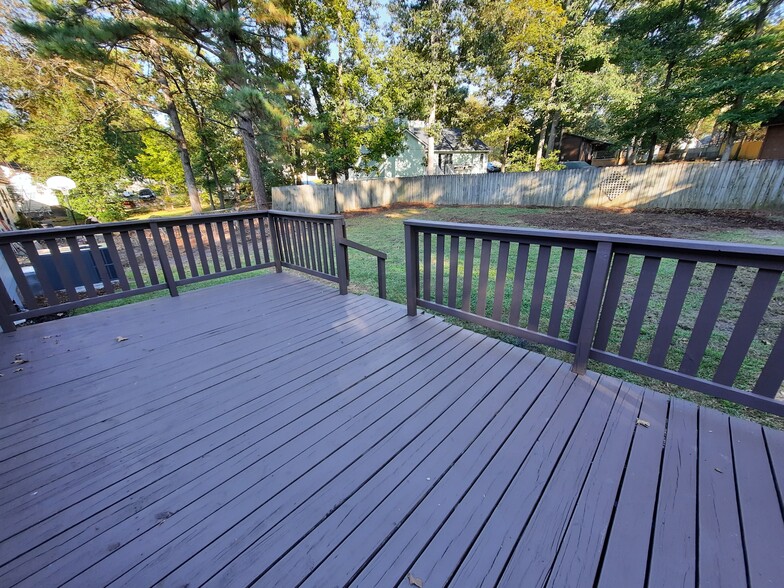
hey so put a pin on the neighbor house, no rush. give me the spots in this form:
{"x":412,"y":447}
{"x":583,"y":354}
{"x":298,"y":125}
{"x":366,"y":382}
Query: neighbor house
{"x":454,"y":155}
{"x":579,"y":148}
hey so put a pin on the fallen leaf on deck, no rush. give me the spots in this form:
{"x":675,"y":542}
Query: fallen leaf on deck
{"x":20,"y":361}
{"x":120,"y":339}
{"x":643,"y":423}
{"x":414,"y":581}
{"x":18,"y":370}
{"x":718,"y":470}
{"x":114,"y":546}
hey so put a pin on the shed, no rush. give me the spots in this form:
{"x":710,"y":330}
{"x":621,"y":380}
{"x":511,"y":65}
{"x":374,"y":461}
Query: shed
{"x":773,"y":144}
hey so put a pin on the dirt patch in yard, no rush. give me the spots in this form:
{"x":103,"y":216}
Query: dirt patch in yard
{"x":681,"y":224}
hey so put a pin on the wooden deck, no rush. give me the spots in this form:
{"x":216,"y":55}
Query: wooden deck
{"x":272,"y":432}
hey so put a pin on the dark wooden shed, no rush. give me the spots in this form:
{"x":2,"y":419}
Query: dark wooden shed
{"x":773,"y":144}
{"x":578,"y":148}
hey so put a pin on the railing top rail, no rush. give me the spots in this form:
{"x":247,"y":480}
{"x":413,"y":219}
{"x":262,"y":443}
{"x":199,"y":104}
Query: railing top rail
{"x":590,"y":239}
{"x":94,"y":229}
{"x":307,"y":215}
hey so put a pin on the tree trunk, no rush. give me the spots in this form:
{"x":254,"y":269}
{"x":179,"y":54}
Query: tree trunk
{"x":179,"y":135}
{"x":505,"y":154}
{"x":731,"y":132}
{"x":244,"y":119}
{"x":630,"y":152}
{"x":652,"y":148}
{"x":540,"y":146}
{"x":254,"y":163}
{"x":431,"y":141}
{"x":553,"y":130}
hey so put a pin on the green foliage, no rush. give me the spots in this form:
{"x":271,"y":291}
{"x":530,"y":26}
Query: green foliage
{"x":523,"y":161}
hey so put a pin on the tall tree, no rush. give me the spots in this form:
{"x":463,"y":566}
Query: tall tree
{"x":660,"y":42}
{"x":742,"y":74}
{"x":516,"y":50}
{"x":426,"y":57}
{"x":244,"y":43}
{"x":114,"y":35}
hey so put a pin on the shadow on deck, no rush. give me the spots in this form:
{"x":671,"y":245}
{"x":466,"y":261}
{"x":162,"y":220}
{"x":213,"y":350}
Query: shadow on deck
{"x":270,"y":431}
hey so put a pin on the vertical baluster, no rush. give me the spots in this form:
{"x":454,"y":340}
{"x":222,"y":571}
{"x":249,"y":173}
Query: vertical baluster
{"x":28,"y":298}
{"x":40,"y":271}
{"x":454,"y":251}
{"x":611,"y":298}
{"x":500,"y":280}
{"x":114,"y":255}
{"x":100,"y":264}
{"x":176,"y":253}
{"x":599,"y":264}
{"x":186,"y":243}
{"x":324,"y":247}
{"x":141,"y":235}
{"x":679,"y":288}
{"x":244,"y":241}
{"x":234,"y":245}
{"x":582,"y":295}
{"x":163,"y":259}
{"x":210,"y":230}
{"x":642,"y":297}
{"x":772,"y":374}
{"x":521,"y":266}
{"x":468,"y":274}
{"x":427,"y":264}
{"x":439,"y":269}
{"x":130,"y":255}
{"x":81,"y":267}
{"x":540,"y":282}
{"x":311,"y":242}
{"x":61,"y":271}
{"x":254,"y":239}
{"x":706,"y":318}
{"x":757,"y":302}
{"x":221,"y":229}
{"x":484,"y":272}
{"x":561,"y":289}
{"x":316,"y":243}
{"x":329,"y":230}
{"x":411,"y":237}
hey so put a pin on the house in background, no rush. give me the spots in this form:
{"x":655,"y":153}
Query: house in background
{"x":773,"y":144}
{"x":454,"y":155}
{"x":8,"y":211}
{"x":36,"y":200}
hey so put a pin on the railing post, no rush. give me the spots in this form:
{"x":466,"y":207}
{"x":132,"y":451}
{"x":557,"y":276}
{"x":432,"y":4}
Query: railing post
{"x":163,"y":258}
{"x":341,"y":254}
{"x":412,"y":268}
{"x":593,"y":304}
{"x":273,"y":231}
{"x":382,"y":278}
{"x":6,"y":307}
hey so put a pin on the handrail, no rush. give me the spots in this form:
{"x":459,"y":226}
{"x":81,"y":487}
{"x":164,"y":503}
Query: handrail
{"x":381,"y":258}
{"x":88,"y":264}
{"x":645,"y":304}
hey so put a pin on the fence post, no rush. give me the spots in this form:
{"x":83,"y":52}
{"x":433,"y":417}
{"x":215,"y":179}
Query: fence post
{"x":163,"y":258}
{"x":412,"y":268}
{"x":341,"y":254}
{"x":593,"y":304}
{"x":273,"y":231}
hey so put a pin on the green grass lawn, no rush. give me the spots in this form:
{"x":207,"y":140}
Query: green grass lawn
{"x":383,"y":230}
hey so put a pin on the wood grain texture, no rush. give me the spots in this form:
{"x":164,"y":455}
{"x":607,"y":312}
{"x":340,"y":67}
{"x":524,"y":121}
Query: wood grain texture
{"x":294,"y":435}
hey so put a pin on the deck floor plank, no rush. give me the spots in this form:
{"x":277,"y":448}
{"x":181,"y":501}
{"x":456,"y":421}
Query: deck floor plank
{"x":269,"y":431}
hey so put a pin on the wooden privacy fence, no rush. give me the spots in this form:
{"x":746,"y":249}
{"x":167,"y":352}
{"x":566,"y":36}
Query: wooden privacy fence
{"x":706,"y":316}
{"x":734,"y":184}
{"x":56,"y":270}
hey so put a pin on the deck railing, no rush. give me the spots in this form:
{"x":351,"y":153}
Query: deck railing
{"x":703,"y":315}
{"x":59,"y":269}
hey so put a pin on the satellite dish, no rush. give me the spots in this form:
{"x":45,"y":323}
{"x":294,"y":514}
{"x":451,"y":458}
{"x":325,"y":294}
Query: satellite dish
{"x":60,"y":183}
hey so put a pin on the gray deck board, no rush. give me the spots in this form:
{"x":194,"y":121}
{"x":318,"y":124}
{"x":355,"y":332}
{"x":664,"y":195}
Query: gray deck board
{"x":271,"y":432}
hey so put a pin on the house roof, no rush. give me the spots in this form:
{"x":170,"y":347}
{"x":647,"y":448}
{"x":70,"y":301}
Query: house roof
{"x":451,"y":140}
{"x":591,"y":140}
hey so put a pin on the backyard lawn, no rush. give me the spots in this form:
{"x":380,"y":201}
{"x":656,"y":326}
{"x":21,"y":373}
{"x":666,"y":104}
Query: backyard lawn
{"x":382,"y":229}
